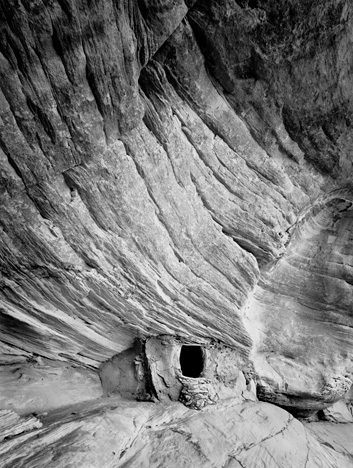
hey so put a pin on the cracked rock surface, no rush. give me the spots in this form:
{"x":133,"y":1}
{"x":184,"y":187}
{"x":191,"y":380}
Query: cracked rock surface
{"x":144,"y":434}
{"x":178,"y":168}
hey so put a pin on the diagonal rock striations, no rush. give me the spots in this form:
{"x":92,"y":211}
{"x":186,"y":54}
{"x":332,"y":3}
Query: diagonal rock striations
{"x":177,"y":169}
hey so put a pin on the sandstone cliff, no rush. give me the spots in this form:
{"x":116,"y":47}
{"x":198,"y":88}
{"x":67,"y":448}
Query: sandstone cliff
{"x":179,"y":171}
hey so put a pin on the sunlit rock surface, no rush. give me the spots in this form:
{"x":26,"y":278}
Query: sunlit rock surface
{"x":181,"y":169}
{"x":144,"y":434}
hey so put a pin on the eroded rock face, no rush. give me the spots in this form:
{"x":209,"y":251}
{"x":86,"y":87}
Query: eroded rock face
{"x":305,"y":302}
{"x":183,"y":169}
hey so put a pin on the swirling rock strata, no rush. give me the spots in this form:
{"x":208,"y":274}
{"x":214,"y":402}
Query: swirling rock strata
{"x":177,"y":168}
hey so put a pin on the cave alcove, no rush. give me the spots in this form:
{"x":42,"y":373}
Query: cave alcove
{"x":191,"y":361}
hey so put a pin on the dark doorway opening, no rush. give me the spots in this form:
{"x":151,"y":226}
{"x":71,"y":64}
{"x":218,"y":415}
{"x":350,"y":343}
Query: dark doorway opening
{"x":191,"y":360}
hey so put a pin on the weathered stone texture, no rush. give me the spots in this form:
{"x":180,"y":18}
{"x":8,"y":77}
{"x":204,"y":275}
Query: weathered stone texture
{"x":121,"y":434}
{"x":177,"y":168}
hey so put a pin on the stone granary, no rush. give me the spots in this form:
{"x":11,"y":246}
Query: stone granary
{"x":168,"y":368}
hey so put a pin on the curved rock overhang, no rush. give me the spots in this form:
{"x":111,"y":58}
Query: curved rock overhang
{"x":154,"y":160}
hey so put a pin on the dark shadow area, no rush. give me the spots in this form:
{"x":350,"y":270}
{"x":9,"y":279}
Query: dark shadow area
{"x":191,"y":360}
